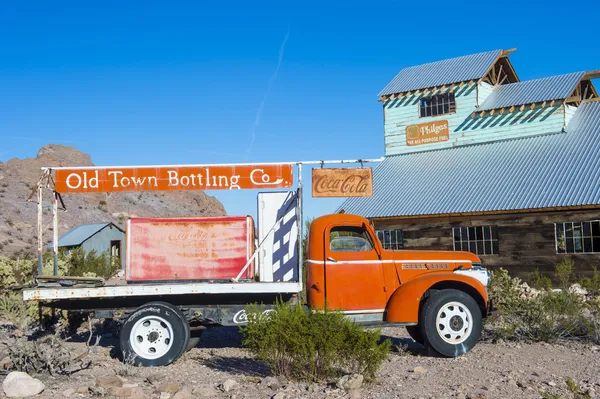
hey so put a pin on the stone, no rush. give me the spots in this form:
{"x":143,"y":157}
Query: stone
{"x":69,"y":392}
{"x":578,"y":290}
{"x":6,"y":363}
{"x":137,"y":393}
{"x":109,"y":382}
{"x":419,"y":370}
{"x":551,"y":383}
{"x":82,"y":389}
{"x":278,"y":395}
{"x":20,"y":385}
{"x":271,"y":382}
{"x":184,"y":393}
{"x":155,"y":379}
{"x":461,"y":396}
{"x":229,"y":385}
{"x":165,"y":395}
{"x":204,"y":390}
{"x":130,"y":385}
{"x":354,"y":394}
{"x":171,"y":388}
{"x":350,"y":381}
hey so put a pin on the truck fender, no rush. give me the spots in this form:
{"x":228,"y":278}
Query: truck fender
{"x":404,"y":304}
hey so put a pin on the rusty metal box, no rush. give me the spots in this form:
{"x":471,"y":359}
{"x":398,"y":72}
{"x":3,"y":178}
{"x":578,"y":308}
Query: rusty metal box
{"x":189,"y":248}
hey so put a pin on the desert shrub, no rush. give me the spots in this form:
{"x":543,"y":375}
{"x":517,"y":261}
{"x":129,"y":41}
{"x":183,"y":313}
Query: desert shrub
{"x":547,"y":317}
{"x":7,"y":273}
{"x":539,"y":281}
{"x":45,"y":355}
{"x":92,"y":264}
{"x":564,"y":271}
{"x":312,"y":346}
{"x":14,"y":309}
{"x":591,"y":284}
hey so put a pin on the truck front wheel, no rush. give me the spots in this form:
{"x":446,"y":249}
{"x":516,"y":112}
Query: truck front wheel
{"x":156,"y":334}
{"x":451,"y":322}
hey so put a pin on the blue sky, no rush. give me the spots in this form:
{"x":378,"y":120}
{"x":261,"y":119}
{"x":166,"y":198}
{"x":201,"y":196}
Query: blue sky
{"x":216,"y":82}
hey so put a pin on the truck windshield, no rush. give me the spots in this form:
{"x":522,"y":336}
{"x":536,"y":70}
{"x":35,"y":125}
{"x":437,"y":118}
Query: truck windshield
{"x":349,"y":239}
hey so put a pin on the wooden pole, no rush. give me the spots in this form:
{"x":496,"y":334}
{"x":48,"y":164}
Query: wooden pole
{"x":55,"y":231}
{"x":40,"y":231}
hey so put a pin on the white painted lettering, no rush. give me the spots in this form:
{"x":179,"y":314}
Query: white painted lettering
{"x":114,"y":175}
{"x":94,"y":180}
{"x":125,"y":181}
{"x":173,"y":180}
{"x":223,"y":179}
{"x":234,"y":182}
{"x":152,"y":181}
{"x":265,"y":178}
{"x":69,"y":184}
{"x":184,"y":181}
{"x":138,"y":181}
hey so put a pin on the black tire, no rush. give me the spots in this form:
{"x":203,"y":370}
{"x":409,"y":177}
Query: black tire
{"x":415,"y":334}
{"x":194,"y":340}
{"x":159,"y":316}
{"x":447,"y":344}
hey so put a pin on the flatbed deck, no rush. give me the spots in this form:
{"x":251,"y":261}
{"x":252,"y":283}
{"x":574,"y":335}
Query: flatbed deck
{"x":159,"y":289}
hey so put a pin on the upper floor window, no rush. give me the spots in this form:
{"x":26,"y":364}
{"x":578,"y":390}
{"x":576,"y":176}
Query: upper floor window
{"x":438,"y":104}
{"x":574,"y":237}
{"x":391,"y":239}
{"x":349,"y":239}
{"x":481,"y":240}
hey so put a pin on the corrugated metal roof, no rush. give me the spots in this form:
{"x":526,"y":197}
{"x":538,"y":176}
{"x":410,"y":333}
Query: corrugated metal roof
{"x":553,"y":170}
{"x":443,"y":72}
{"x":78,"y":234}
{"x":532,"y":91}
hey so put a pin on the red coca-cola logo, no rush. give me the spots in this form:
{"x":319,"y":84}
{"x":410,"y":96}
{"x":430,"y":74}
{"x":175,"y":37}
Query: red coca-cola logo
{"x":349,"y":185}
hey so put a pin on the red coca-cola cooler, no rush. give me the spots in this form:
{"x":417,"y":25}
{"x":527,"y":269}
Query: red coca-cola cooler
{"x":189,"y":248}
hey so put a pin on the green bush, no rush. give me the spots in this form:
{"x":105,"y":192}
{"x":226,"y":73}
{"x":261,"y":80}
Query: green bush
{"x":82,"y":264}
{"x":564,"y":271}
{"x":539,"y":281}
{"x":546,"y":317}
{"x":312,"y":346}
{"x":591,"y":284}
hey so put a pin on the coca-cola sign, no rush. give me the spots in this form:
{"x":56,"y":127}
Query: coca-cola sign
{"x":342,"y":182}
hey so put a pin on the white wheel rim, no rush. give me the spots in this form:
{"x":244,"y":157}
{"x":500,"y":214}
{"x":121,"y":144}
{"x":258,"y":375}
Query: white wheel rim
{"x":151,"y":337}
{"x":454,"y":323}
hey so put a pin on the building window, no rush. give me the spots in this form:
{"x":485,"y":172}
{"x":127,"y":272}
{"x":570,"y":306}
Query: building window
{"x":577,"y":237}
{"x":439,"y":104}
{"x":391,"y":239}
{"x":481,"y":240}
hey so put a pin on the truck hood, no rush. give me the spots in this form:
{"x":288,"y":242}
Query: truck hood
{"x":462,"y":258}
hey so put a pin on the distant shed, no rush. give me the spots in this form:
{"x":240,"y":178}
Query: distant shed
{"x":101,"y":237}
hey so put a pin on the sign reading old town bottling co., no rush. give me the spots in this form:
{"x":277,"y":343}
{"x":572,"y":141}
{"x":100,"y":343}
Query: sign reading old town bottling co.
{"x":427,"y":133}
{"x":89,"y":180}
{"x":344,"y":182}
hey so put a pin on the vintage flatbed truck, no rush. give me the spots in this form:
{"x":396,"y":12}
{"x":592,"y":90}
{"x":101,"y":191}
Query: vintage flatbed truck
{"x":185,"y":275}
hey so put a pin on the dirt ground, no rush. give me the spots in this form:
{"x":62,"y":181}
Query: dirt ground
{"x":490,"y":370}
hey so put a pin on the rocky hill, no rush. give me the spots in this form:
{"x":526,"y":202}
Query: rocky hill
{"x":18,"y":218}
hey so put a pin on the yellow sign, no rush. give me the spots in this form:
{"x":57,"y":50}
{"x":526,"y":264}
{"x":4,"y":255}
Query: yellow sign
{"x":427,"y":133}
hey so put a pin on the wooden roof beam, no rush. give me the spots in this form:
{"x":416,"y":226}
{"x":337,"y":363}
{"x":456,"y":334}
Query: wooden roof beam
{"x":506,"y":53}
{"x":591,"y":75}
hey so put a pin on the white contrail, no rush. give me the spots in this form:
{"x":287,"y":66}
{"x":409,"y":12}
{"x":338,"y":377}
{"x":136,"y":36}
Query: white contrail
{"x":272,"y":80}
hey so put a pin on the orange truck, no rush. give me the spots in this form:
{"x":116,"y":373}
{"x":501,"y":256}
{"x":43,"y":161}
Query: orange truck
{"x":180,"y":280}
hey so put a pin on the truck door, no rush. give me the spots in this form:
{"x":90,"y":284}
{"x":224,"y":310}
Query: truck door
{"x":353,"y":271}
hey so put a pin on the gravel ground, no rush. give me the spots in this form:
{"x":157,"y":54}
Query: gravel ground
{"x":500,"y":370}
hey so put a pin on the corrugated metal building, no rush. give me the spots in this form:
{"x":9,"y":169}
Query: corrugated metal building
{"x":478,"y":160}
{"x":101,"y":237}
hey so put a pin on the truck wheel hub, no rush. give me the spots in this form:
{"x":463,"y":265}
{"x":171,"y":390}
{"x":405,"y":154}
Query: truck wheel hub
{"x":151,"y":337}
{"x":454,"y":323}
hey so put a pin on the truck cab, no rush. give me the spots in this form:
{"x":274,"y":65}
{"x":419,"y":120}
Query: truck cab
{"x":440,"y":296}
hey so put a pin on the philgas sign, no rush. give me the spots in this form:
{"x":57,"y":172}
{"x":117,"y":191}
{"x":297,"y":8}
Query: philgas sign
{"x":104,"y":180}
{"x":342,"y":182}
{"x":427,"y":133}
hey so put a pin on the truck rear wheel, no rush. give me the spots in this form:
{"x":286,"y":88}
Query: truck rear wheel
{"x":156,"y":334}
{"x":451,"y":322}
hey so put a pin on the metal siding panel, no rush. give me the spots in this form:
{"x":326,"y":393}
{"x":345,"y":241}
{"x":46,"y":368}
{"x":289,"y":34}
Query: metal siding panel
{"x":79,"y":234}
{"x":532,"y":91}
{"x":439,"y":73}
{"x":550,"y":170}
